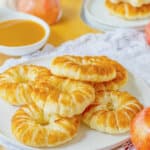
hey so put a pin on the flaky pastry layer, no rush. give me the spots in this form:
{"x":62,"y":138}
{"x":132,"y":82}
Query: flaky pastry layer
{"x":32,"y":127}
{"x":87,"y":68}
{"x":16,"y":83}
{"x":127,"y":11}
{"x":112,"y":112}
{"x":63,"y":96}
{"x":115,"y":84}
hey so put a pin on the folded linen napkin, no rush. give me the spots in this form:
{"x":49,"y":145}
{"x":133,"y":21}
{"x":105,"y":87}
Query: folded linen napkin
{"x":128,"y":46}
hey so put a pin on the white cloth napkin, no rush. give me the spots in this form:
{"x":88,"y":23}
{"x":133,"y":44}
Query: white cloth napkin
{"x":128,"y":46}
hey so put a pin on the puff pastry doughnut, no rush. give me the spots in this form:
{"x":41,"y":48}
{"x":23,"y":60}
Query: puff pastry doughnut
{"x":17,"y":82}
{"x":127,"y":11}
{"x":32,"y":127}
{"x":112,"y":112}
{"x":118,"y":82}
{"x":87,"y":68}
{"x":65,"y":97}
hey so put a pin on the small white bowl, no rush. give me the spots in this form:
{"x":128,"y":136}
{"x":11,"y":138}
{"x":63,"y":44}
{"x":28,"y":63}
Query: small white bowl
{"x":7,"y":14}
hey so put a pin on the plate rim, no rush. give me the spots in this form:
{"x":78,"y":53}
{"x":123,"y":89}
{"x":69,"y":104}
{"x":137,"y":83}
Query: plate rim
{"x":100,"y":22}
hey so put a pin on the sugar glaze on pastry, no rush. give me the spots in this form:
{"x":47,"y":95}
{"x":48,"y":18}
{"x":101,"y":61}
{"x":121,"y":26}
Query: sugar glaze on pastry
{"x":32,"y":127}
{"x":111,"y":112}
{"x":87,"y":68}
{"x":115,"y":84}
{"x":127,"y":11}
{"x":63,"y":96}
{"x":16,"y":83}
{"x":134,"y":3}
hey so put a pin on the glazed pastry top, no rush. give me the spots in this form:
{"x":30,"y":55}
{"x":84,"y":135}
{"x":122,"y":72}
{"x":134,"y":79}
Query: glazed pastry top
{"x":135,"y":3}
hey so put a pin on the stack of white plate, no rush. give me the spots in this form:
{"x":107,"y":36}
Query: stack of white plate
{"x":96,"y":15}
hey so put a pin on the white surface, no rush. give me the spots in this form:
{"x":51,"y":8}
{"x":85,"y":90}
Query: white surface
{"x":85,"y":135}
{"x":97,"y":14}
{"x":6,"y":14}
{"x":127,"y":46}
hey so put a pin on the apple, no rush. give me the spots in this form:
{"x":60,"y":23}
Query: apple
{"x":140,"y":130}
{"x":147,"y":33}
{"x":49,"y":10}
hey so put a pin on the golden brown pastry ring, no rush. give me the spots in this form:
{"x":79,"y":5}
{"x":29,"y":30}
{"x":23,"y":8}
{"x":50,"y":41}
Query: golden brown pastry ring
{"x":127,"y":11}
{"x":115,"y":84}
{"x":112,"y":112}
{"x":63,"y":96}
{"x":32,"y":127}
{"x":16,"y":83}
{"x":87,"y":68}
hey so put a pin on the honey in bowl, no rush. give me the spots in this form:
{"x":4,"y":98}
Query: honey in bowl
{"x":20,"y":32}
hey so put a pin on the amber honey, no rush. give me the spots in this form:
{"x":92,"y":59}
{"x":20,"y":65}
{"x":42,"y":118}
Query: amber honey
{"x":20,"y":32}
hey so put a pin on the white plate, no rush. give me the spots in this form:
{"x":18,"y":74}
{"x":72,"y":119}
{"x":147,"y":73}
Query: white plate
{"x":86,"y":139}
{"x":93,"y":23}
{"x":96,"y":12}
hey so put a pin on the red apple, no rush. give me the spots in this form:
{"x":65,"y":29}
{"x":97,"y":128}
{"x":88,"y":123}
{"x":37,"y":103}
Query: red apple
{"x":140,"y":130}
{"x":49,"y":10}
{"x":147,"y":33}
